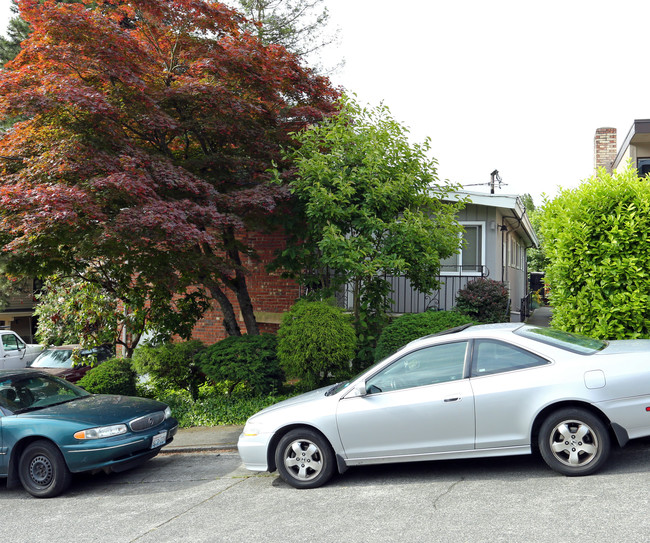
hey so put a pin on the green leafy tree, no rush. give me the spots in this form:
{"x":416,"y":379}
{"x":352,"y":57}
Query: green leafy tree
{"x":73,"y":310}
{"x":537,"y":260}
{"x":597,"y":239}
{"x":367,"y":204}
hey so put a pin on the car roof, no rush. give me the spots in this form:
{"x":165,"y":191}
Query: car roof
{"x":460,"y":332}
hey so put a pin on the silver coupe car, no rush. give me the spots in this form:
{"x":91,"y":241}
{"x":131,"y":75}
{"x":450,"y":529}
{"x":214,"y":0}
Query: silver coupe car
{"x":478,"y":391}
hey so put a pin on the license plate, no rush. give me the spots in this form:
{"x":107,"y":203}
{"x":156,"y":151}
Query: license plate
{"x":159,"y":440}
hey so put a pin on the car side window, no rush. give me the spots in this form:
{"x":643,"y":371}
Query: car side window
{"x":492,"y":357}
{"x":428,"y":366}
{"x":10,"y":342}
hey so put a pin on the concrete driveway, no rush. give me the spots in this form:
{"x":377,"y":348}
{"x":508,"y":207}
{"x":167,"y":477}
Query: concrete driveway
{"x":212,"y":498}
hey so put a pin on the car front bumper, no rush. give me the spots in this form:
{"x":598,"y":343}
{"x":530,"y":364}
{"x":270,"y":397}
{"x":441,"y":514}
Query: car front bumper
{"x":118,"y":453}
{"x":253,"y":451}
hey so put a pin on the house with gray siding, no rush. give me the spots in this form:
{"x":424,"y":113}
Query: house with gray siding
{"x":497,"y":235}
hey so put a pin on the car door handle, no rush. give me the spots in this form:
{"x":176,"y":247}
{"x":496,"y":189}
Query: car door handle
{"x":452,"y":399}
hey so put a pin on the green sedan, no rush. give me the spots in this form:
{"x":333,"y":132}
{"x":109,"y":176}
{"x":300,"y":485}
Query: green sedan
{"x":50,"y":429}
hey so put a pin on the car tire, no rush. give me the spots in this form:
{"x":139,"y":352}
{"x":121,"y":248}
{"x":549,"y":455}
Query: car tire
{"x":574,"y":442}
{"x":43,"y":471}
{"x":304,"y":459}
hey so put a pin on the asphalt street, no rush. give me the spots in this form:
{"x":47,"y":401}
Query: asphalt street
{"x":210,"y":497}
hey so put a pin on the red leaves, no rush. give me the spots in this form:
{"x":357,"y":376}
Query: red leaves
{"x":149,"y":128}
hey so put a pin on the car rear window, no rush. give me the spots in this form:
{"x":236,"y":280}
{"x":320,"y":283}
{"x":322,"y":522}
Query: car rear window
{"x":563,"y":340}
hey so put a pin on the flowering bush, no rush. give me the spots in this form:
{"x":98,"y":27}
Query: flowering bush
{"x":484,"y":300}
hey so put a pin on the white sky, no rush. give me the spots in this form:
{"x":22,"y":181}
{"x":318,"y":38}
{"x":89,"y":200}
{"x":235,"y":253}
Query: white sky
{"x":511,"y":85}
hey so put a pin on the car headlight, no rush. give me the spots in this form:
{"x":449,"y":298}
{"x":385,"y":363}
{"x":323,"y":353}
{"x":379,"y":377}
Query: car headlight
{"x":102,"y":431}
{"x":252,"y":429}
{"x":168,"y":412}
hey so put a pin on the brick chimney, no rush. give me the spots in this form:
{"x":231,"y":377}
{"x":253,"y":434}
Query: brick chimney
{"x":605,"y":148}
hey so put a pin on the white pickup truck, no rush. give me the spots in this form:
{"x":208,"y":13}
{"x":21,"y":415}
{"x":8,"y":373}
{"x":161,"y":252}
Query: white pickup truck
{"x":14,"y":352}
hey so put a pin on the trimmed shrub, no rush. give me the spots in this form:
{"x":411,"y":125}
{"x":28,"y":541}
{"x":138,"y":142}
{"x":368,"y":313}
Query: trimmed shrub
{"x":596,"y":239}
{"x":316,"y":343}
{"x":171,"y":366}
{"x":484,"y":300}
{"x":414,"y":325}
{"x":115,"y":376}
{"x":249,"y":360}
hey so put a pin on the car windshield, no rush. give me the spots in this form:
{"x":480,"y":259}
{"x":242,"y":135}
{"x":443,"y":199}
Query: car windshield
{"x":564,"y":340}
{"x":53,"y":358}
{"x":22,"y":393}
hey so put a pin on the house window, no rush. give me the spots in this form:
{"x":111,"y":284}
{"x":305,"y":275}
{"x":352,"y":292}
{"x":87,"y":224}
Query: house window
{"x":643,"y":166}
{"x":471,"y":259}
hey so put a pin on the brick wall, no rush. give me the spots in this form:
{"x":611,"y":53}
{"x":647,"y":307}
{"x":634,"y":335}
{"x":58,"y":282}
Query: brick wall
{"x":271,"y":294}
{"x":605,"y":148}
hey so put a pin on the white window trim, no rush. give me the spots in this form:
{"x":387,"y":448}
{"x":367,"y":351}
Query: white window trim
{"x":460,"y":272}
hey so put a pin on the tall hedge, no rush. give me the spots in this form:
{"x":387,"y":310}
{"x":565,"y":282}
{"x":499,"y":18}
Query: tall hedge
{"x":597,"y":240}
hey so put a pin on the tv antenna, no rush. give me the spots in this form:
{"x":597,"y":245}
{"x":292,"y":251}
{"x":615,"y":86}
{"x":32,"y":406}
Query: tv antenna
{"x":495,"y":179}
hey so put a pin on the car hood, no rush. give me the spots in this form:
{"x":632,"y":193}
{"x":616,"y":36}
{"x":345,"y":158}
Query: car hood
{"x":99,"y":409}
{"x":307,"y":397}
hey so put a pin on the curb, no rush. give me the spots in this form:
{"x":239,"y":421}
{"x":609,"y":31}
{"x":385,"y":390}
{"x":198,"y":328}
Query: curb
{"x":199,"y":448}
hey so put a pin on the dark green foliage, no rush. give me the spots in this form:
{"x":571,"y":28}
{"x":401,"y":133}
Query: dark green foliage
{"x":251,"y":360}
{"x":414,"y":325}
{"x":596,"y":238}
{"x":484,"y":300}
{"x":316,"y":343}
{"x":171,"y":365}
{"x":115,"y":376}
{"x":214,"y":408}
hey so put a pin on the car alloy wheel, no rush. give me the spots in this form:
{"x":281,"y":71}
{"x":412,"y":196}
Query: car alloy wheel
{"x":43,"y":471}
{"x":574,"y":442}
{"x":304,"y":459}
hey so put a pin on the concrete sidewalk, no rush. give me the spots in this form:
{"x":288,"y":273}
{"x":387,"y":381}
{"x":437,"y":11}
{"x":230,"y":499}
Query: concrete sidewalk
{"x":205,"y":439}
{"x":541,"y":317}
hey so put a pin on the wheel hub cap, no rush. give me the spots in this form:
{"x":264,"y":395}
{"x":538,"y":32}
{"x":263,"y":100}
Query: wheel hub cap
{"x":303,"y":460}
{"x":574,"y":443}
{"x":40,"y":470}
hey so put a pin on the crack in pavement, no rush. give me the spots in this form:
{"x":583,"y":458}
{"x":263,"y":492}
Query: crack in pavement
{"x":447,"y":492}
{"x":194,"y":506}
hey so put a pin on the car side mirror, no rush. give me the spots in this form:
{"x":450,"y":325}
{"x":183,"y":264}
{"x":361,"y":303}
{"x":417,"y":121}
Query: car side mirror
{"x":358,"y":390}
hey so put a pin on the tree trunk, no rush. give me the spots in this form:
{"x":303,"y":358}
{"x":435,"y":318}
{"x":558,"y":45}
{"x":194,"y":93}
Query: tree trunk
{"x":239,"y":286}
{"x":229,"y":318}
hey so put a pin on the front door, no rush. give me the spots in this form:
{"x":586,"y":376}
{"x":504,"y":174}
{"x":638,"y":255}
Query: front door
{"x":420,"y":404}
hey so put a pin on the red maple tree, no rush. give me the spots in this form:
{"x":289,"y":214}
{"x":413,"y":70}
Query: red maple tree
{"x":144,"y":131}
